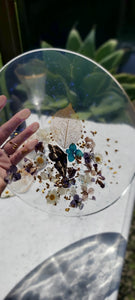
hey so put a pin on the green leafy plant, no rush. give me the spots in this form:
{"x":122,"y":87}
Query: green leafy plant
{"x":1,"y":64}
{"x":107,"y":55}
{"x":97,"y":103}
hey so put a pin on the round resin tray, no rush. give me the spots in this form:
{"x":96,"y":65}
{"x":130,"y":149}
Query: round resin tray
{"x":84,"y":161}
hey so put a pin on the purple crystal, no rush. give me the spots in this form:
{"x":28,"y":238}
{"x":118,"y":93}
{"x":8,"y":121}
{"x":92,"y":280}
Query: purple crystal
{"x":87,"y":157}
{"x":12,"y":174}
{"x":76,"y":197}
{"x":76,"y":202}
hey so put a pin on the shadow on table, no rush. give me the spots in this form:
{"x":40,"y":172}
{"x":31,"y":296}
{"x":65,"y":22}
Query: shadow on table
{"x":88,"y":269}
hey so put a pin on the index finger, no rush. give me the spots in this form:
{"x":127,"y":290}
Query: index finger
{"x":3,"y":100}
{"x":7,"y":128}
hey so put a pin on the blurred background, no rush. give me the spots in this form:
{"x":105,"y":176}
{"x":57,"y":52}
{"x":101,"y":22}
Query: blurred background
{"x":24,"y":24}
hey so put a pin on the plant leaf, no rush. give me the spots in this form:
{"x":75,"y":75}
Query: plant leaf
{"x":44,"y":44}
{"x":88,"y":47}
{"x":113,"y":60}
{"x":125,"y":78}
{"x":65,"y":126}
{"x":59,"y":103}
{"x":106,"y":109}
{"x":74,"y":40}
{"x":62,"y":64}
{"x":128,"y":83}
{"x":105,"y":49}
{"x":1,"y":63}
{"x":130,"y":89}
{"x":95,"y":84}
{"x":84,"y":115}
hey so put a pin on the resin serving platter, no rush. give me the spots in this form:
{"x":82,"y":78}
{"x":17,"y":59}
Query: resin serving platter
{"x":86,"y":175}
{"x":84,"y":160}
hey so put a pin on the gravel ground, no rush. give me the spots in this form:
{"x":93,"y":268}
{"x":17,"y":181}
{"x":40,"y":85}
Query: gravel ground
{"x":127,"y":286}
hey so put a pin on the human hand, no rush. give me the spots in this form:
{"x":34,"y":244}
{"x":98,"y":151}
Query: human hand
{"x":11,"y":153}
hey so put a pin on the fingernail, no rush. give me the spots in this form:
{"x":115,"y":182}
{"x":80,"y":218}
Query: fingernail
{"x":34,"y":127}
{"x":25,"y":113}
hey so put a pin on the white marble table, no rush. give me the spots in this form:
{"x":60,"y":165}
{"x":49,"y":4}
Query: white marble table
{"x":26,"y":240}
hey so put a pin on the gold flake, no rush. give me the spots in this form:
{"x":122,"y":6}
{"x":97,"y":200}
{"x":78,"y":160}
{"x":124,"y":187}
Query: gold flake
{"x":67,"y":209}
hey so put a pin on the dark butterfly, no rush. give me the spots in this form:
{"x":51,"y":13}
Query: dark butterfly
{"x":60,"y":158}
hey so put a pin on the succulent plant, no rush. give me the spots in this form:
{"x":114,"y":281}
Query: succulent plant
{"x":1,"y":61}
{"x":108,"y":55}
